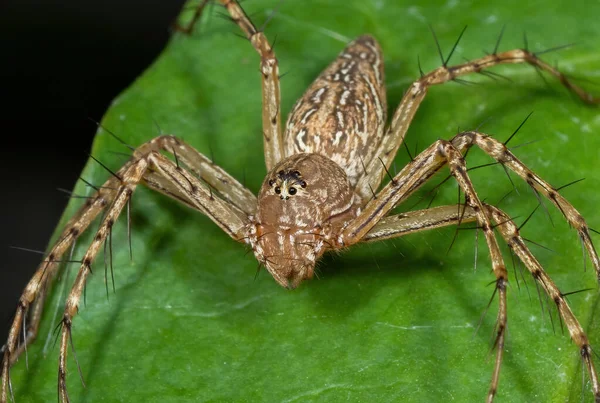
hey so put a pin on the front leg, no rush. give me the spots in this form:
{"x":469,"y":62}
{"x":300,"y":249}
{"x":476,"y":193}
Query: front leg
{"x":405,"y":183}
{"x":426,"y":164}
{"x":113,"y":196}
{"x":231,"y":220}
{"x":229,"y":188}
{"x":423,"y":167}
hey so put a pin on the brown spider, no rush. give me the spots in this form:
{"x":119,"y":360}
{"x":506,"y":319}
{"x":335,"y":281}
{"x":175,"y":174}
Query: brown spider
{"x":320,"y":191}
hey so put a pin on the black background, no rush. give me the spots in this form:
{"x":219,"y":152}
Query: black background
{"x":61,"y":62}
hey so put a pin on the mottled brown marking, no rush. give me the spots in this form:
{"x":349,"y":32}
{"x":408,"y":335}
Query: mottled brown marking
{"x":342,"y":114}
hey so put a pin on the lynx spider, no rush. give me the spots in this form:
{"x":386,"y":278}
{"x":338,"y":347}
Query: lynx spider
{"x":318,"y":195}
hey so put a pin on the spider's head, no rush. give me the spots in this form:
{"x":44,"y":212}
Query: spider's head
{"x":304,"y":202}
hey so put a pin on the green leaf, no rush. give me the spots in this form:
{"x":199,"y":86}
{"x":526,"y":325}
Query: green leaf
{"x":384,"y":322}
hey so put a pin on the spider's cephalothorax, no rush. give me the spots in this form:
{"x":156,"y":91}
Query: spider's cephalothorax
{"x":322,"y":191}
{"x":303,"y":202}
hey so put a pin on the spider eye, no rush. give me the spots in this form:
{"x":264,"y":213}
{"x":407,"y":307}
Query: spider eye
{"x":303,"y":184}
{"x":280,"y":173}
{"x":296,"y":173}
{"x":292,"y":191}
{"x":277,"y":190}
{"x":271,"y":182}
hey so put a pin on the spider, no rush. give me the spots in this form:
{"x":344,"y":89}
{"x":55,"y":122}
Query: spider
{"x":321,"y":192}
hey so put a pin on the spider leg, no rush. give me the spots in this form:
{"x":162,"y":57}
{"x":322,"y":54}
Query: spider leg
{"x":415,"y":94}
{"x":229,"y":219}
{"x":189,"y":27}
{"x":216,"y":177}
{"x":402,"y":185}
{"x":32,"y":299}
{"x":509,"y":231}
{"x":398,"y":225}
{"x":498,"y":151}
{"x":130,"y":179}
{"x":115,"y":193}
{"x":430,"y":161}
{"x":406,"y":182}
{"x":422,"y":167}
{"x":422,"y":220}
{"x":269,"y":68}
{"x":158,"y":182}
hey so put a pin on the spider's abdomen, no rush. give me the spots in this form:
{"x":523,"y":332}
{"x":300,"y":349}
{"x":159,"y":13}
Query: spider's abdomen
{"x":342,"y":114}
{"x":302,"y":205}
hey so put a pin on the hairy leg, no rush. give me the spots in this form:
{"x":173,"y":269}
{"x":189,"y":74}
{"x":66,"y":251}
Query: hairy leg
{"x":426,"y":164}
{"x":269,"y":68}
{"x":499,"y":151}
{"x":216,"y":177}
{"x":417,"y":221}
{"x":430,"y":161}
{"x":409,"y":179}
{"x":416,"y":92}
{"x":114,"y":195}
